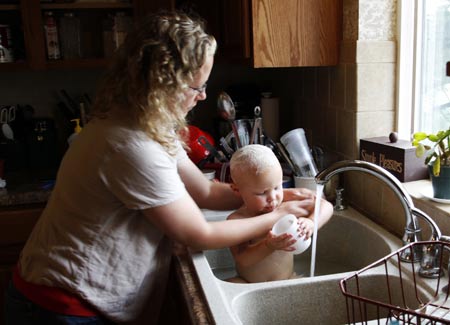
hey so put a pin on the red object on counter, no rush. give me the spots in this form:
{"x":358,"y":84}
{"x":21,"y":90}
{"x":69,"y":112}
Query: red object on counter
{"x":198,"y":152}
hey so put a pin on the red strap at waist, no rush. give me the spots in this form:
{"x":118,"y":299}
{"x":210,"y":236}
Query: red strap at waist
{"x":54,"y":299}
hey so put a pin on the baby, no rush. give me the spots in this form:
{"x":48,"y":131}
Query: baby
{"x":257,"y":178}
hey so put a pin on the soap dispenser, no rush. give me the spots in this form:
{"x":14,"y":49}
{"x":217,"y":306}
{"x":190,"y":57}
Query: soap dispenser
{"x":76,"y":130}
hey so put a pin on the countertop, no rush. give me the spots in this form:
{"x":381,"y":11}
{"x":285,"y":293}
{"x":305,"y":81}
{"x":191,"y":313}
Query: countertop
{"x":26,"y":187}
{"x":195,"y":300}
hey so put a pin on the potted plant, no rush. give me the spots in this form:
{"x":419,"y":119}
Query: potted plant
{"x":437,"y":148}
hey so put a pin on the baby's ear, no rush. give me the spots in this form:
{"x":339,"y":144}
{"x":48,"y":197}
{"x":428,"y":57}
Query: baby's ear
{"x":235,"y":189}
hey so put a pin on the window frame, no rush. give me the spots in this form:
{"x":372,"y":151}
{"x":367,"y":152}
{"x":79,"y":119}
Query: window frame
{"x":407,"y":76}
{"x":409,"y":64}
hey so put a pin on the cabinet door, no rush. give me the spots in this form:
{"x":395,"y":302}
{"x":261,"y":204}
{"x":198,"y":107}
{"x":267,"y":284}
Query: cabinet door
{"x":16,"y":225}
{"x":296,"y":32}
{"x":26,"y":19}
{"x":235,"y":39}
{"x":12,"y":53}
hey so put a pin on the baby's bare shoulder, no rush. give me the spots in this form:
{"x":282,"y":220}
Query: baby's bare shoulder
{"x":238,"y":214}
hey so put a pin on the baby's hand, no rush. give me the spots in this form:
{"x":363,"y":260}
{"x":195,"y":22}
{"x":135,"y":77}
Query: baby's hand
{"x":305,"y":227}
{"x":281,"y":242}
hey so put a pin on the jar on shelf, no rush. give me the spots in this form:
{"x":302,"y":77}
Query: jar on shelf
{"x":121,"y":26}
{"x":70,"y":36}
{"x":51,"y":36}
{"x":6,"y":49}
{"x":109,"y":45}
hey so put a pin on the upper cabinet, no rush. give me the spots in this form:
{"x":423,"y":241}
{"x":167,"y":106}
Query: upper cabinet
{"x":66,"y":34}
{"x":296,"y":32}
{"x":264,"y":33}
{"x":274,"y":33}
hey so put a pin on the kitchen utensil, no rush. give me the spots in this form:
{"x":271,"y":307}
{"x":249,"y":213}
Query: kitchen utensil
{"x":208,"y":146}
{"x":226,"y":147}
{"x":225,"y":107}
{"x":70,"y":102}
{"x":244,"y":128}
{"x":227,"y":111}
{"x":7,"y":115}
{"x":257,"y":132}
{"x":257,"y":111}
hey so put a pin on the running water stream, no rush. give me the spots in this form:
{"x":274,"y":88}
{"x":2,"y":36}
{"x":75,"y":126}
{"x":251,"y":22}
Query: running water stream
{"x":319,"y":193}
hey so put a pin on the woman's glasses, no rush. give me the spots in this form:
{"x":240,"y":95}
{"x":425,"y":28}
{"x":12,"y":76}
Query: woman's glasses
{"x":200,"y":90}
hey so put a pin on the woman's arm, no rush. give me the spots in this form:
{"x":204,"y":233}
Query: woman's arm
{"x":207,"y":194}
{"x":183,"y":221}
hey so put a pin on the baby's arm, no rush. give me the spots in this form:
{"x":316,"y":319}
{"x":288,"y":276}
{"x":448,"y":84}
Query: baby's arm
{"x":247,"y":254}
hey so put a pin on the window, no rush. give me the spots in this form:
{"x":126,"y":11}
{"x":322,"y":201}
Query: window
{"x":424,"y":49}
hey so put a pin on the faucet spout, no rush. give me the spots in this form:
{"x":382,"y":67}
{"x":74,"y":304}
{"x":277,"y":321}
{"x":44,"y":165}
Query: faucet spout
{"x":412,"y":228}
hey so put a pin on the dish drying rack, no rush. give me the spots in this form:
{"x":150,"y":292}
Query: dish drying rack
{"x":391,"y":291}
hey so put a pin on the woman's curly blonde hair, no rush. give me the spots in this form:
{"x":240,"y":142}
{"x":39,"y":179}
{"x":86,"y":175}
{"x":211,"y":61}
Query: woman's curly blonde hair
{"x":149,"y":72}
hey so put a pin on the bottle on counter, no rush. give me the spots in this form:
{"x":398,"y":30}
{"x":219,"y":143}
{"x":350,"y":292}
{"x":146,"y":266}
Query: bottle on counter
{"x":51,"y":36}
{"x":76,"y":130}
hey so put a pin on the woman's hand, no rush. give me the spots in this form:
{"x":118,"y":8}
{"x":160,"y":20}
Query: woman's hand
{"x":294,"y":194}
{"x":299,"y":208}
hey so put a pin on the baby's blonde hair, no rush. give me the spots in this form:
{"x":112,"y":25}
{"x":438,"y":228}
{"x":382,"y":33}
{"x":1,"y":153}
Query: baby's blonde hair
{"x":253,"y":158}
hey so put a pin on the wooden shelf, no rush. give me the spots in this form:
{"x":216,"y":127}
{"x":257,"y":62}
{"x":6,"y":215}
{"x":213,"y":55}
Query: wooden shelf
{"x":79,"y":63}
{"x":9,"y":7}
{"x":14,"y":66}
{"x":88,"y":5}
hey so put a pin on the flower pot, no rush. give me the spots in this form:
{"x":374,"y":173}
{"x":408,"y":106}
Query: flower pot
{"x":441,"y":183}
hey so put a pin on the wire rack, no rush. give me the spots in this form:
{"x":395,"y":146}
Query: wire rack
{"x":391,"y":291}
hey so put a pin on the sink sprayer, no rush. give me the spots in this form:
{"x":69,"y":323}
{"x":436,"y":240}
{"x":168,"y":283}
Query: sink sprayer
{"x":428,"y":256}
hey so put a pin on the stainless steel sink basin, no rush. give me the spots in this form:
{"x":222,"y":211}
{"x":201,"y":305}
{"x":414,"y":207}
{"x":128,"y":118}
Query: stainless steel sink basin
{"x":347,"y":243}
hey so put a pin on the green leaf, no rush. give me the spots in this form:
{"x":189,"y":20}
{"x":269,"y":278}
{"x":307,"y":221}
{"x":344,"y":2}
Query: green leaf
{"x":437,"y":167}
{"x":420,"y":150}
{"x":419,"y":136}
{"x":434,"y":138}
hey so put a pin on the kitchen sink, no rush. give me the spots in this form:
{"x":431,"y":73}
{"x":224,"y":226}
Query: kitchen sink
{"x":315,"y":302}
{"x":347,"y":243}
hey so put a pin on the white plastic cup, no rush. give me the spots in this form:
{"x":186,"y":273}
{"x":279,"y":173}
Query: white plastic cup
{"x":288,"y":224}
{"x":295,"y":143}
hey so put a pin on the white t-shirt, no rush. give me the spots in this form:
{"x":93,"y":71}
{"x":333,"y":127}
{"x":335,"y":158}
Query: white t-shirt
{"x":91,"y":238}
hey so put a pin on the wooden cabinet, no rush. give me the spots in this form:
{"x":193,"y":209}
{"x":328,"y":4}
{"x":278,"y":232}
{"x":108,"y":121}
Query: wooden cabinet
{"x":25,"y":19}
{"x":265,"y":33}
{"x":296,"y":33}
{"x":274,"y":33}
{"x":16,"y":224}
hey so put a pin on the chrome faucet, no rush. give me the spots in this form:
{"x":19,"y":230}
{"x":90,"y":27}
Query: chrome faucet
{"x":412,"y":228}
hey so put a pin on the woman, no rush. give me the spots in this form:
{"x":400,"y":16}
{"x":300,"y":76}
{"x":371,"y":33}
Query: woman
{"x":98,"y":253}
